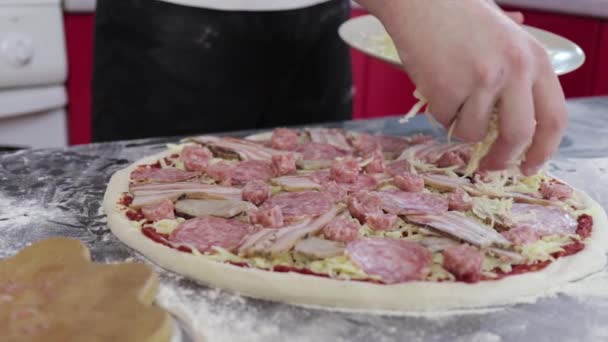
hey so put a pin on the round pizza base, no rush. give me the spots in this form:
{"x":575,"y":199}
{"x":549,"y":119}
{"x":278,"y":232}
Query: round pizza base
{"x":307,"y":290}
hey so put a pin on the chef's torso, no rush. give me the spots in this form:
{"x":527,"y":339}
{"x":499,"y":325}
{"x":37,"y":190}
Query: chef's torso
{"x":248,"y":5}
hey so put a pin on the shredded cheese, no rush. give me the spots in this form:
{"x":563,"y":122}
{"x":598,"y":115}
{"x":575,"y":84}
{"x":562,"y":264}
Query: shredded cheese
{"x":542,"y":249}
{"x":493,"y":210}
{"x":167,"y":226}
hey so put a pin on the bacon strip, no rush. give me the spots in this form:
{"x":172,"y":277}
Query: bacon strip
{"x":247,"y":150}
{"x":462,"y":227}
{"x":329,"y":136}
{"x":431,"y":151}
{"x":443,"y":182}
{"x":144,"y":194}
{"x":296,"y":183}
{"x":317,"y":248}
{"x":277,"y":241}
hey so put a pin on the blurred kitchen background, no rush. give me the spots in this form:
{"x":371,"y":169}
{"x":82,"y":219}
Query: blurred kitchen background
{"x":46,"y":49}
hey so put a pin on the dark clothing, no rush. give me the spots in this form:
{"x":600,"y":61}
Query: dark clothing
{"x":162,"y":69}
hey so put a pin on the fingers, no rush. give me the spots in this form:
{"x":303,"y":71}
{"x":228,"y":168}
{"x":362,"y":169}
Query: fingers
{"x":516,"y":126}
{"x":551,"y":118}
{"x":474,"y":117}
{"x":517,"y":17}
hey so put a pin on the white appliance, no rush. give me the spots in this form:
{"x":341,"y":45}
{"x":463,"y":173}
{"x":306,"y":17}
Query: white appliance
{"x":82,"y":6}
{"x":33,"y":70}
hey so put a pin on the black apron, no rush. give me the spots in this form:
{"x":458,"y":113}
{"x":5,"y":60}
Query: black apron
{"x":162,"y":69}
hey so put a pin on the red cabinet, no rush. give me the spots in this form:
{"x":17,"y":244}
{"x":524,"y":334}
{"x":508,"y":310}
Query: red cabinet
{"x":601,"y":71}
{"x":79,"y":40}
{"x":360,"y":64}
{"x":583,"y":31}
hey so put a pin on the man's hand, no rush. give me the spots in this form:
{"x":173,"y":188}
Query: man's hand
{"x":466,"y":57}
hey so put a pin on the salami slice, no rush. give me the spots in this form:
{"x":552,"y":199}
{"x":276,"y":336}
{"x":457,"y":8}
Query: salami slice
{"x":464,"y":262}
{"x":546,"y":220}
{"x":196,"y":158}
{"x":409,"y":203}
{"x":284,"y":139}
{"x":166,"y":175}
{"x":159,"y":211}
{"x":251,"y":170}
{"x":204,"y":233}
{"x":398,"y":167}
{"x":363,"y":181}
{"x":318,"y":151}
{"x":392,"y":145}
{"x":393,"y":260}
{"x":298,"y":205}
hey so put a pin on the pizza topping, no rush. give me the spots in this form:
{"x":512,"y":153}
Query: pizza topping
{"x":317,"y":151}
{"x":344,"y":170}
{"x":464,"y":262}
{"x":342,"y":230}
{"x":316,"y":248}
{"x":545,"y":220}
{"x":376,"y":164}
{"x":398,"y":167}
{"x":277,"y":241}
{"x":309,"y":165}
{"x":365,"y":144}
{"x":195,"y":157}
{"x":335,"y":192}
{"x":521,"y":235}
{"x":392,"y":145}
{"x":363,"y":181}
{"x":329,"y":136}
{"x":251,"y":170}
{"x":204,"y":233}
{"x":166,"y":175}
{"x":298,"y":205}
{"x":409,"y":203}
{"x":381,"y":221}
{"x":298,"y":228}
{"x":212,"y":207}
{"x":364,"y":203}
{"x":446,"y":183}
{"x":256,"y":192}
{"x":452,"y":158}
{"x":395,"y":261}
{"x":296,"y":183}
{"x":462,"y":227}
{"x":145,"y":194}
{"x":246,"y":150}
{"x":221,"y":172}
{"x":431,"y":152}
{"x":459,"y":200}
{"x":159,"y":211}
{"x":284,"y":139}
{"x":547,"y":248}
{"x":437,"y":243}
{"x":284,"y":164}
{"x":493,"y":210}
{"x":584,"y":226}
{"x":409,"y":182}
{"x":271,"y":217}
{"x":555,"y":191}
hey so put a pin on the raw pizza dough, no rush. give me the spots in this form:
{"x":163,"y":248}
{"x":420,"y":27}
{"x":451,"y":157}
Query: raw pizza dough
{"x":51,"y":291}
{"x":295,"y":288}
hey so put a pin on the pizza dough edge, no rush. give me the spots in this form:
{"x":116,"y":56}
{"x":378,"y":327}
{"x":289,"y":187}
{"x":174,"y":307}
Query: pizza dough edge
{"x":298,"y":289}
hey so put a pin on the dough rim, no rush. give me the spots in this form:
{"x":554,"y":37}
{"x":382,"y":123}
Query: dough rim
{"x":306,"y":290}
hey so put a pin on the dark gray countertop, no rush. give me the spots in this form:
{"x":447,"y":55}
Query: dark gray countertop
{"x":58,"y":192}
